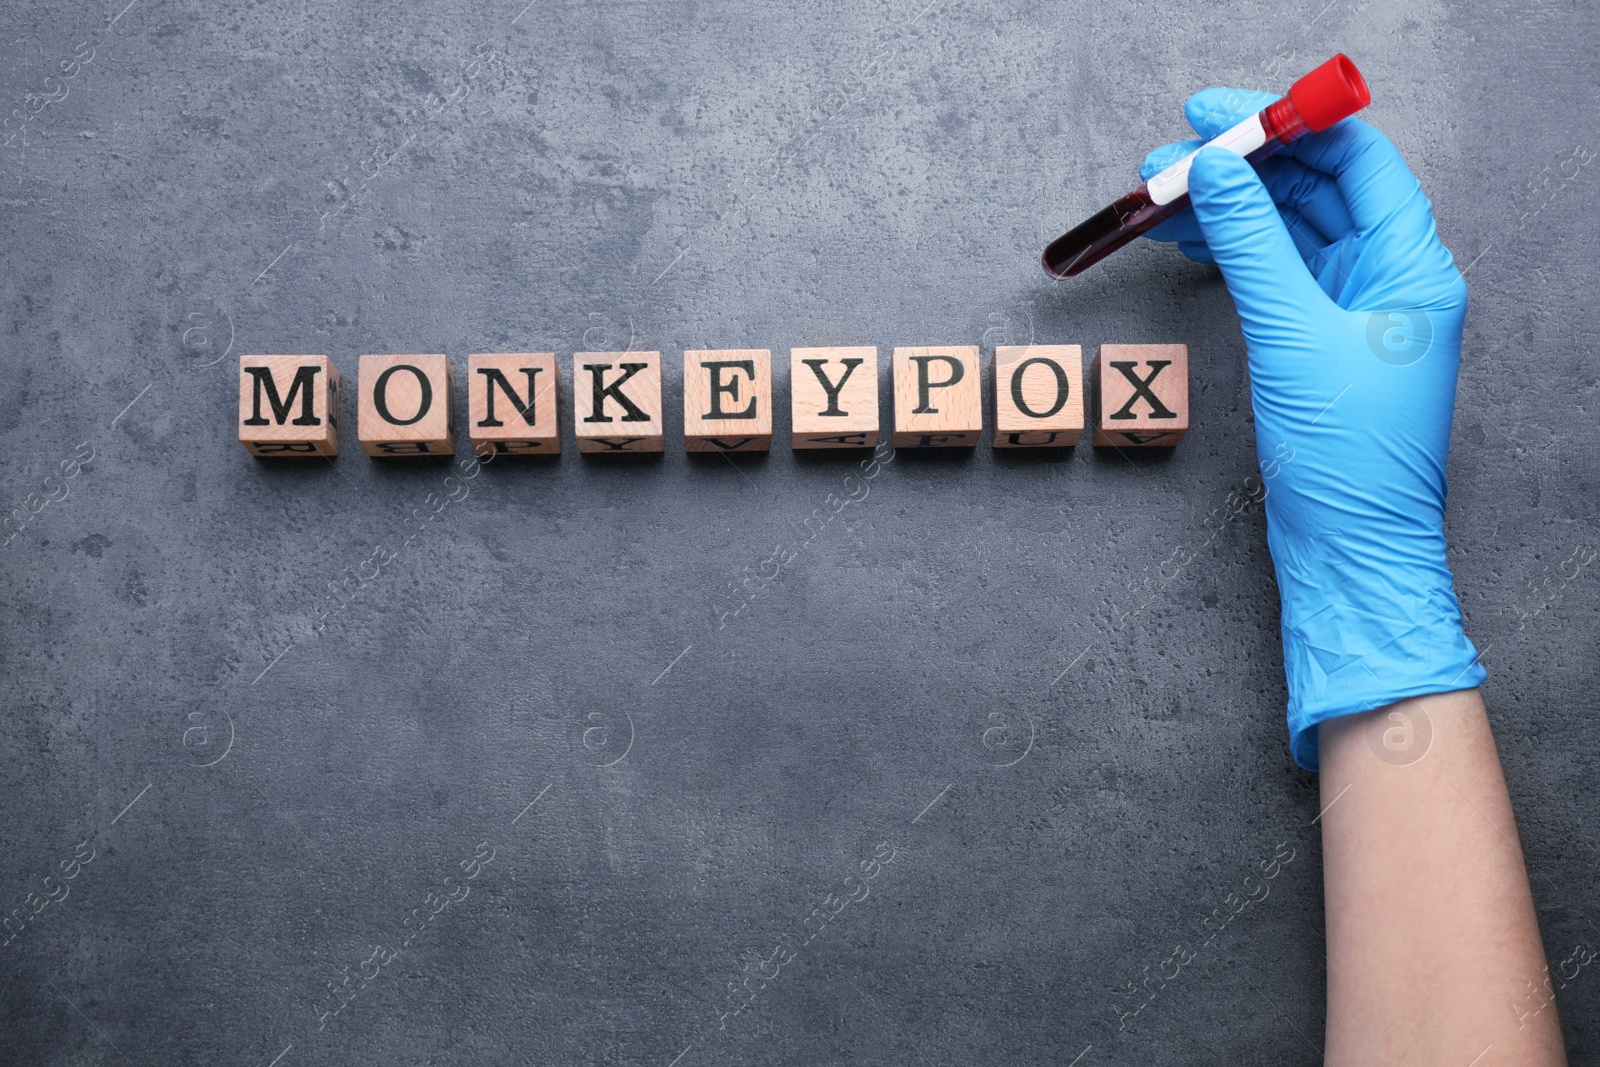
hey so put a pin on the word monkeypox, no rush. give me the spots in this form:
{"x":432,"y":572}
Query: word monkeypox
{"x":289,"y":405}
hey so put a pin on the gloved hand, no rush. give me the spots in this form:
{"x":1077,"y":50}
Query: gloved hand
{"x":1352,"y":313}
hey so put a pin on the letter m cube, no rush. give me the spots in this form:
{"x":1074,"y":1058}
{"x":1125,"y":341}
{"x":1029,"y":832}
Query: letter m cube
{"x":289,"y":405}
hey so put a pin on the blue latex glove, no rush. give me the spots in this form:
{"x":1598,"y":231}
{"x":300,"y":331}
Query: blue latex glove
{"x":1352,"y":312}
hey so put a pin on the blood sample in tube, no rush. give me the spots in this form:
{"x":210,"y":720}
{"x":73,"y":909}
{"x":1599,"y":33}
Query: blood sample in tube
{"x":1328,"y":94}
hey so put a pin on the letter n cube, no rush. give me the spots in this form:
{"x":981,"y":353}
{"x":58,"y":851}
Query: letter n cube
{"x":511,"y":404}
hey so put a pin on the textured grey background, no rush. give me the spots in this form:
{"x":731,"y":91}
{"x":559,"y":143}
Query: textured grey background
{"x":222,"y":179}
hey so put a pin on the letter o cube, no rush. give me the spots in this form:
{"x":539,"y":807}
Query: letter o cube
{"x":406,"y":406}
{"x":1038,"y":396}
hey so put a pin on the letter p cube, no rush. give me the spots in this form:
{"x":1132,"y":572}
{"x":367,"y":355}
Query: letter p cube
{"x":938,"y":397}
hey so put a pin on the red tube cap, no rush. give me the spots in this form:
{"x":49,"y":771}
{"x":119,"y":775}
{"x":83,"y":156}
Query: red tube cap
{"x":1336,"y":90}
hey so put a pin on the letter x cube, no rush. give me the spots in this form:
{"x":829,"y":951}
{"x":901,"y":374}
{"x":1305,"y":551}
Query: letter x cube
{"x":1144,"y":395}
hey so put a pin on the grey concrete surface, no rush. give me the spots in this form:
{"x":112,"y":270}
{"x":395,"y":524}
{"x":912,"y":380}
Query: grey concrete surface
{"x":634,"y":771}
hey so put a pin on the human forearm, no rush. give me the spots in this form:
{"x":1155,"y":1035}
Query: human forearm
{"x":1432,"y":936}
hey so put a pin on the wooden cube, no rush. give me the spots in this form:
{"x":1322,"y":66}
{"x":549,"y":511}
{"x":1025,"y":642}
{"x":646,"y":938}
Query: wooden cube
{"x":938,"y":397}
{"x":1038,"y":396}
{"x":617,"y":401}
{"x":512,"y":403}
{"x":833,"y":397}
{"x":727,"y":400}
{"x":289,"y":405}
{"x":1143,"y":395}
{"x":406,"y":407}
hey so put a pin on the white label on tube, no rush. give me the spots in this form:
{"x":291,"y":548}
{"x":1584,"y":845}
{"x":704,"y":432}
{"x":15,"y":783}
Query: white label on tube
{"x":1241,"y":140}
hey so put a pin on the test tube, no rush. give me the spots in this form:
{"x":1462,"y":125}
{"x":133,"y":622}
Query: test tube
{"x":1331,"y":92}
